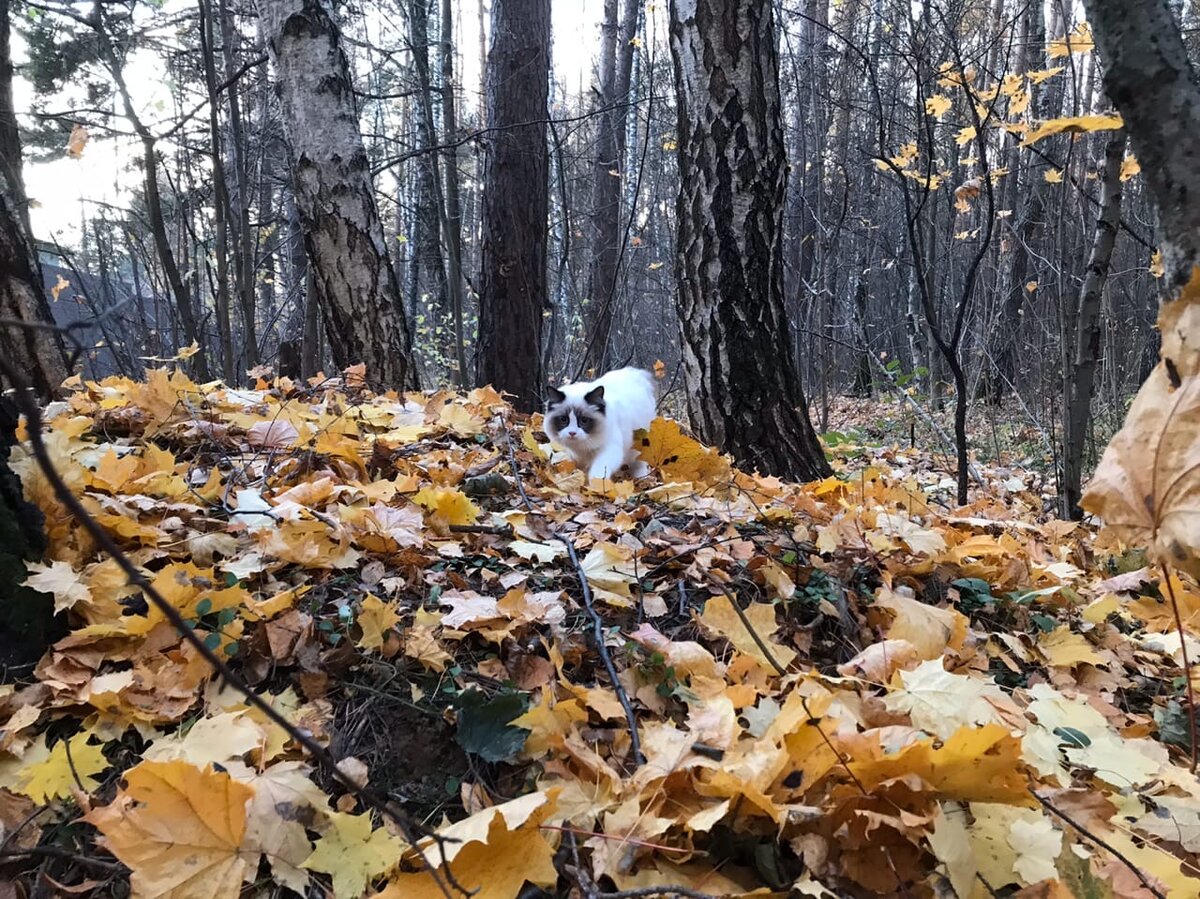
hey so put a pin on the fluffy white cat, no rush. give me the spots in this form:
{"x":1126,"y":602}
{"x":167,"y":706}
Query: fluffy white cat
{"x":594,"y":421}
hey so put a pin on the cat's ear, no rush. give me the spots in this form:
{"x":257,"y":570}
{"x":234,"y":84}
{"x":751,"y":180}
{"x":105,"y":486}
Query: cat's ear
{"x":595,"y":398}
{"x":554,"y":396}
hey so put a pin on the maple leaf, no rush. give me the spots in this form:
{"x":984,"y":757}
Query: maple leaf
{"x":67,"y":765}
{"x":60,"y":580}
{"x":286,"y":804}
{"x":929,"y":629}
{"x":353,"y":853}
{"x":492,"y":866}
{"x":213,"y":740}
{"x":179,"y":829}
{"x":975,"y":764}
{"x":937,"y":105}
{"x":609,"y":569}
{"x":447,"y":507}
{"x":1078,"y":41}
{"x":1085,"y":124}
{"x":721,"y":619}
{"x":940,"y":702}
{"x":1053,"y":176}
{"x":1147,"y":485}
{"x":1013,"y":845}
{"x":678,"y":457}
{"x":375,"y":619}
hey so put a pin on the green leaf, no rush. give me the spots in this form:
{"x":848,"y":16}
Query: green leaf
{"x":225,"y":617}
{"x":1076,"y":739}
{"x":212,"y":641}
{"x":203,"y":607}
{"x":483,"y":724}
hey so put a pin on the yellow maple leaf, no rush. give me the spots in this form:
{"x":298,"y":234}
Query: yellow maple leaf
{"x":1084,"y":124}
{"x":937,"y":105}
{"x":1130,"y":167}
{"x":1039,"y":75}
{"x":446,"y":507}
{"x":1053,"y":176}
{"x":965,"y":135}
{"x":55,"y":775}
{"x":976,"y":764}
{"x":720,"y":618}
{"x":375,"y":619}
{"x":1157,"y":268}
{"x":1078,"y":41}
{"x":494,"y":867}
{"x":353,"y":853}
{"x":930,"y":629}
{"x":1064,"y":648}
{"x":678,"y":457}
{"x":179,"y":829}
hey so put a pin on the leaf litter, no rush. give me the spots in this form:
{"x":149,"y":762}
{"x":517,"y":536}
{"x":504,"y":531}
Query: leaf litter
{"x":846,"y":688}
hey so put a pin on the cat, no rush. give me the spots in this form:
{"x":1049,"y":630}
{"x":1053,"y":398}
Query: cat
{"x":594,"y":421}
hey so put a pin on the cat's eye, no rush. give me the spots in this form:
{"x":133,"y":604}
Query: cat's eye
{"x":561,"y":421}
{"x":585,"y":421}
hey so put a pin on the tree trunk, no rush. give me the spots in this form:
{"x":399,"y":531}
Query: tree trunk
{"x":512,"y":283}
{"x":1080,"y":375}
{"x":743,"y":390}
{"x":35,"y":351}
{"x":1151,"y":81}
{"x":453,"y":206}
{"x":616,"y":65}
{"x":355,"y":284}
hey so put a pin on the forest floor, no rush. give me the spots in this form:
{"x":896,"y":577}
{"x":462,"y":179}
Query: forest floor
{"x":705,"y":683}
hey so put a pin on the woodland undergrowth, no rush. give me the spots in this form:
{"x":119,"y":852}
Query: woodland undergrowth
{"x":706,"y":682}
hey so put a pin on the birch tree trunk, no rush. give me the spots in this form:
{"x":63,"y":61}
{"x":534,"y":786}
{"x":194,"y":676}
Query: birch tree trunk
{"x":743,"y":389}
{"x":513,"y":292}
{"x":355,"y":284}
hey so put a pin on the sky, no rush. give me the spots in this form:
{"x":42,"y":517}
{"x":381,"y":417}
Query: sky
{"x":64,"y":190}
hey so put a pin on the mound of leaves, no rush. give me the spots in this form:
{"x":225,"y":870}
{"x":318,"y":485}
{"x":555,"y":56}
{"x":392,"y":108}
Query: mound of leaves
{"x":706,"y":682}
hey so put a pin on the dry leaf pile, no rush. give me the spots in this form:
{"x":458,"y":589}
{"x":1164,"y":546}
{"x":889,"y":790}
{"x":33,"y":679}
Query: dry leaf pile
{"x":847,"y":688}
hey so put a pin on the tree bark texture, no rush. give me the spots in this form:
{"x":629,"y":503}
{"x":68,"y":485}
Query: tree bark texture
{"x":1151,"y":81}
{"x":616,"y":66}
{"x":1080,"y":377}
{"x":512,"y":283}
{"x":356,"y":285}
{"x":38,"y":352}
{"x":743,"y":389}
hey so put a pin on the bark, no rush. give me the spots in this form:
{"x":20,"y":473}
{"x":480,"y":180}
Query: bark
{"x":453,"y":204}
{"x":616,"y":66}
{"x":512,"y":283}
{"x":221,"y":205}
{"x":1151,"y":81}
{"x":1080,"y":375}
{"x":744,"y":392}
{"x":239,"y":197}
{"x":355,"y":283}
{"x":35,"y":351}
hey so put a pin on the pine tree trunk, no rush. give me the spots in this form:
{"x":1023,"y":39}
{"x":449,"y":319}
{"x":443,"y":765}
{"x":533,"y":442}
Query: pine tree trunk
{"x":744,"y":392}
{"x":355,"y":284}
{"x":512,"y":283}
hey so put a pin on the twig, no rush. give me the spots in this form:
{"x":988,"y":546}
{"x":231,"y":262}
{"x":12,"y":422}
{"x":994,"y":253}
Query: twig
{"x":1048,"y":806}
{"x":635,"y":743}
{"x":516,"y":472}
{"x":496,"y":530}
{"x":1193,"y":735}
{"x":28,"y":405}
{"x":75,"y":858}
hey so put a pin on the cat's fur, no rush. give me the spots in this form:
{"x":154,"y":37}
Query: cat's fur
{"x":594,"y":421}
